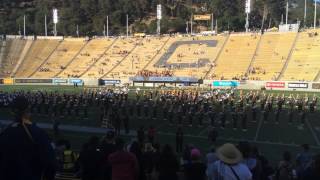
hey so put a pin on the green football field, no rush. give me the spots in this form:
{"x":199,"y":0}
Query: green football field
{"x":271,"y":138}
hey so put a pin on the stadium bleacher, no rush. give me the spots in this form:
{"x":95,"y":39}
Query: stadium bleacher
{"x":65,"y":52}
{"x":12,"y":52}
{"x":236,"y":56}
{"x":39,"y":51}
{"x":273,"y":51}
{"x":89,"y":55}
{"x":271,"y":56}
{"x":304,"y":64}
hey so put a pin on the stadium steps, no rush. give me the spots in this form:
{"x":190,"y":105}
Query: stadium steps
{"x":164,"y":44}
{"x":2,"y":48}
{"x":255,"y":54}
{"x":317,"y":78}
{"x":136,"y":45}
{"x":72,"y":59}
{"x":102,"y":55}
{"x":289,"y":57}
{"x":24,"y":53}
{"x":218,"y":56}
{"x":45,"y":60}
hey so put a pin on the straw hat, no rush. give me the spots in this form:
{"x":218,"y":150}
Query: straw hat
{"x":229,"y":154}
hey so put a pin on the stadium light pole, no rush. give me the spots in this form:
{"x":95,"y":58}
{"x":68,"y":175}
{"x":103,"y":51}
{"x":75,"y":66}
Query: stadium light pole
{"x":287,"y":12}
{"x":211,"y":22}
{"x":127,"y":26}
{"x":315,"y":15}
{"x":305,"y":13}
{"x":45,"y":25}
{"x":191,"y":24}
{"x":247,"y":10}
{"x":24,"y":25}
{"x":107,"y":26}
{"x":77,"y":31}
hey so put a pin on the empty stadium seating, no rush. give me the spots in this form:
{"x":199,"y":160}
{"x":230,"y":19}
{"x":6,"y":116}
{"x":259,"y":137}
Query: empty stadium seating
{"x":11,"y":55}
{"x":111,"y":58}
{"x":273,"y":52}
{"x":288,"y":56}
{"x":236,"y":56}
{"x":39,"y":52}
{"x":141,"y":56}
{"x":304,"y":63}
{"x":88,"y":56}
{"x":57,"y":61}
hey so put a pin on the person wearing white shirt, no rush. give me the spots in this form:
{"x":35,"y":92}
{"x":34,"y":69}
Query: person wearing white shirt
{"x":229,"y":166}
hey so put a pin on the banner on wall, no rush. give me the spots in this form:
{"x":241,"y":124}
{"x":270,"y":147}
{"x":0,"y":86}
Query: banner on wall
{"x":109,"y":82}
{"x":8,"y":81}
{"x":60,"y":81}
{"x":33,"y":81}
{"x":275,"y":84}
{"x":225,"y":83}
{"x":76,"y":81}
{"x":298,"y":85}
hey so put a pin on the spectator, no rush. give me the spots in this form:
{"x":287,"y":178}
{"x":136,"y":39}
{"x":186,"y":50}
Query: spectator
{"x":168,"y":165}
{"x":229,"y":165}
{"x":179,"y":140}
{"x":148,"y":160}
{"x":196,"y":169}
{"x":285,"y":169}
{"x":303,"y":159}
{"x":313,"y":171}
{"x":211,"y":156}
{"x":91,"y":160}
{"x":26,"y":151}
{"x":107,"y":148}
{"x":124,"y":164}
{"x":69,"y":158}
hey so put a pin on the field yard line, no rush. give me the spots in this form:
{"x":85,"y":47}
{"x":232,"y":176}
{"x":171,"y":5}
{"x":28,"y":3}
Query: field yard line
{"x":313,"y":133}
{"x":203,"y":131}
{"x":258,"y":129}
{"x":85,"y":129}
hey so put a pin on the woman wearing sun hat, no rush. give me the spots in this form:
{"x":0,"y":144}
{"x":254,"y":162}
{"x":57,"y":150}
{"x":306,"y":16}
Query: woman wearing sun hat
{"x":228,"y":167}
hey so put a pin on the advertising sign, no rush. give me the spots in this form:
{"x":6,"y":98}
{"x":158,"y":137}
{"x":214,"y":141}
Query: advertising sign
{"x":110,"y":82}
{"x":33,"y":81}
{"x":275,"y":84}
{"x":73,"y":81}
{"x":225,"y":83}
{"x":205,"y":17}
{"x":298,"y":85}
{"x":7,"y":81}
{"x":60,"y":81}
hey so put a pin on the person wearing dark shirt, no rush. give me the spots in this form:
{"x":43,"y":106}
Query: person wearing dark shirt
{"x":179,"y":140}
{"x":168,"y":164}
{"x":91,"y":160}
{"x":313,"y":172}
{"x":26,"y":152}
{"x":124,"y":164}
{"x":196,"y":169}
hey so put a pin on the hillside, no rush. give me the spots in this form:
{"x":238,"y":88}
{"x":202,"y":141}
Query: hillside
{"x":91,"y":15}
